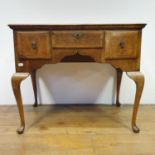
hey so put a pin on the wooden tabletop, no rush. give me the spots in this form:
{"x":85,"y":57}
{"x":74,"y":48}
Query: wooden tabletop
{"x":77,"y":26}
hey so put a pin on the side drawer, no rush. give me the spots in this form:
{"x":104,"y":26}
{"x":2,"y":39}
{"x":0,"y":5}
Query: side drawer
{"x":77,"y":39}
{"x":33,"y":45}
{"x":122,"y":44}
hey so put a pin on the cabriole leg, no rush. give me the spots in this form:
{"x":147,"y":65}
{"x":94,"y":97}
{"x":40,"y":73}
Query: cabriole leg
{"x":138,"y":78}
{"x":16,"y":80}
{"x":119,"y":78}
{"x":33,"y":77}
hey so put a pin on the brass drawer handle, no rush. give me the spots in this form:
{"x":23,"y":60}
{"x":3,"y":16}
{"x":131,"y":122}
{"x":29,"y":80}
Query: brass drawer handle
{"x":122,"y":44}
{"x":77,"y":35}
{"x":34,"y":45}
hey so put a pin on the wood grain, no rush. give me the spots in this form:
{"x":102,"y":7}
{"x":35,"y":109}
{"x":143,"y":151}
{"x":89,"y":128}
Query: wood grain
{"x":77,"y":130}
{"x":28,"y":27}
{"x":122,"y":44}
{"x":33,"y":45}
{"x":77,"y":39}
{"x":119,"y":79}
{"x":34,"y":84}
{"x":120,"y":47}
{"x":16,"y":80}
{"x":115,"y":44}
{"x":138,"y":78}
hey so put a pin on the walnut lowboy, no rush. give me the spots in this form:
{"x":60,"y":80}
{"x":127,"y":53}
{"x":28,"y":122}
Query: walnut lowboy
{"x":115,"y":44}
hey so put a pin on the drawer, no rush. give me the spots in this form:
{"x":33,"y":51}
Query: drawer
{"x":33,"y":45}
{"x":121,"y":44}
{"x":77,"y":39}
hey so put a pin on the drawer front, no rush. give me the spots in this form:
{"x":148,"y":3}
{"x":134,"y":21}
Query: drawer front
{"x":33,"y":45}
{"x":121,"y":44}
{"x":77,"y":39}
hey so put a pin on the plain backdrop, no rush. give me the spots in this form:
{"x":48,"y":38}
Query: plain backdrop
{"x":77,"y":83}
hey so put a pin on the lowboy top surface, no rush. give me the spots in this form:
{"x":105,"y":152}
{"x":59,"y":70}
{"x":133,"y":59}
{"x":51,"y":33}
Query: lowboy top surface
{"x":76,"y":26}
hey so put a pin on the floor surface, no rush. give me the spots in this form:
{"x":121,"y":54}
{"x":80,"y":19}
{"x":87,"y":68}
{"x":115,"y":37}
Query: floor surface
{"x":77,"y":130}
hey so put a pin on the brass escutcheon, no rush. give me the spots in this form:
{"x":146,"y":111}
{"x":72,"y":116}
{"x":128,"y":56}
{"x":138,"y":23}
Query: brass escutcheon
{"x":77,"y":35}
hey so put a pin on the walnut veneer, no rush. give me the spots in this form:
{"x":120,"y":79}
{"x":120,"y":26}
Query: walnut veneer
{"x":115,"y":44}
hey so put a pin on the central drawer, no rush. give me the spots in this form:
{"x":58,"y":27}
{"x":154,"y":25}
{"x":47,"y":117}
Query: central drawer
{"x":77,"y":39}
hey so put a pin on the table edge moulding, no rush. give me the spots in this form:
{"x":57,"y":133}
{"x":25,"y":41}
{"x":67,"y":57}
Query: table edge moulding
{"x":115,"y":44}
